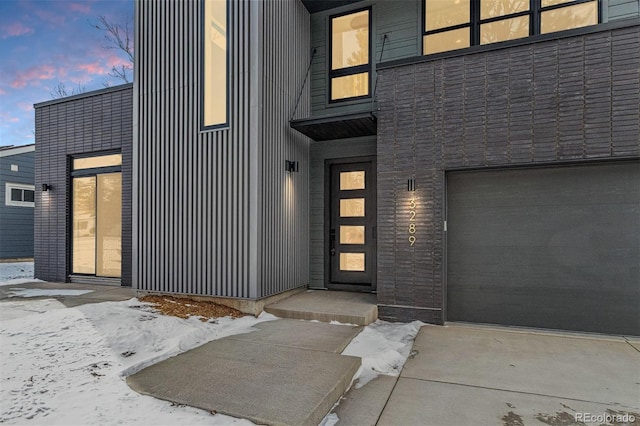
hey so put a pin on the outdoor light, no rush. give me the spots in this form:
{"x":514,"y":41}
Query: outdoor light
{"x":45,"y":187}
{"x":291,"y":166}
{"x":411,"y":185}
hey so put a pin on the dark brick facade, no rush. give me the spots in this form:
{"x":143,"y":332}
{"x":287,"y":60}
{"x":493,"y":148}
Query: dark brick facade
{"x":572,"y":99}
{"x":90,"y":122}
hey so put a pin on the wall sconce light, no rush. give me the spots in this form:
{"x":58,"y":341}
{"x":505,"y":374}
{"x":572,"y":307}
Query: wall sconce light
{"x":46,"y":187}
{"x":411,"y":185}
{"x":291,"y":166}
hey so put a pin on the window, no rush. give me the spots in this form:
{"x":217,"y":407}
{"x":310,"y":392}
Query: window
{"x":19,"y":195}
{"x":350,"y":55}
{"x":456,"y":24}
{"x":215,"y":69}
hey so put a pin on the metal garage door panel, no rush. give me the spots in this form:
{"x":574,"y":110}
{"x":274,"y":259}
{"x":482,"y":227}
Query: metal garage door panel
{"x":553,"y":248}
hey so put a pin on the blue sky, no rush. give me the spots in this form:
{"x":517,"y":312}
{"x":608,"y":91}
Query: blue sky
{"x":47,"y":42}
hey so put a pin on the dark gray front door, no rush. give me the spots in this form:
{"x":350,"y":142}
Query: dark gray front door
{"x":551,"y":247}
{"x":352,"y":239}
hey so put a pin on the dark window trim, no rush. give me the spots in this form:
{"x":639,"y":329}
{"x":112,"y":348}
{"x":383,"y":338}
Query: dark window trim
{"x":591,"y":29}
{"x":534,"y":12}
{"x":226,"y":124}
{"x":358,"y":69}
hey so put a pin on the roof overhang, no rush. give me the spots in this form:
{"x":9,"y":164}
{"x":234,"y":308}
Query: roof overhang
{"x":314,"y":6}
{"x":337,"y":126}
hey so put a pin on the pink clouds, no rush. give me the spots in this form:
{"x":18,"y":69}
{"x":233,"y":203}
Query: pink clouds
{"x":33,"y":74}
{"x":2,"y":91}
{"x":24,"y":106}
{"x":14,"y":29}
{"x":80,"y":7}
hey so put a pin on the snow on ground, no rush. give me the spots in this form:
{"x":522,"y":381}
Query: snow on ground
{"x":68,"y":366}
{"x":13,"y":273}
{"x":39,"y":292}
{"x":383,"y":347}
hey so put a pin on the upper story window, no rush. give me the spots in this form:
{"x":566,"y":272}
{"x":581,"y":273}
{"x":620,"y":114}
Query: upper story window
{"x":456,"y":24}
{"x":215,"y":70}
{"x":19,"y":195}
{"x":350,"y":70}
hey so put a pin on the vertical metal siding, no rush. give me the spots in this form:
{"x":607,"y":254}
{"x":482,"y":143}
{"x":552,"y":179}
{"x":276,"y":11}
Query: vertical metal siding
{"x":285,"y":205}
{"x":201,"y":195}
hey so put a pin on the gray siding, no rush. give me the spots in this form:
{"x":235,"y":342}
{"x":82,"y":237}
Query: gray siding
{"x":16,"y":222}
{"x":215,"y":211}
{"x":321,"y":151}
{"x":399,"y":20}
{"x":575,"y":99}
{"x":621,"y":9}
{"x":87,"y":123}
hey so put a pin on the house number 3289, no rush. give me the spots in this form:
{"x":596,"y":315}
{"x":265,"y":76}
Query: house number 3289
{"x":412,"y":221}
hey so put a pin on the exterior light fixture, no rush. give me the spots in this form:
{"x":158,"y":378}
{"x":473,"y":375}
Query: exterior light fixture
{"x":46,"y":187}
{"x":411,"y":185}
{"x":291,"y":166}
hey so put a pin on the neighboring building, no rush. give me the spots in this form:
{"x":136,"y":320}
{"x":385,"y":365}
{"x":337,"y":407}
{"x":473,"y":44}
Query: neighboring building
{"x":17,"y":200}
{"x":469,"y":161}
{"x":83,"y":220}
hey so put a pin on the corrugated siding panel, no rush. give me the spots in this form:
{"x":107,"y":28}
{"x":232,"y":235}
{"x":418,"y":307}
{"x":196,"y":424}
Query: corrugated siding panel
{"x":192,"y":193}
{"x":203,"y":198}
{"x":285,"y":223}
{"x":621,"y":9}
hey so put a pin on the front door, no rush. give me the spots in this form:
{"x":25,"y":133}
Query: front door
{"x":352,"y":226}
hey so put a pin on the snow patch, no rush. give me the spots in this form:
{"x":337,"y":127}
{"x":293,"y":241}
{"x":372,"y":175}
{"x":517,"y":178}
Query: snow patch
{"x":38,"y":292}
{"x":67,"y":366}
{"x":330,"y":420}
{"x":383,"y":347}
{"x":19,"y":309}
{"x":12,"y":271}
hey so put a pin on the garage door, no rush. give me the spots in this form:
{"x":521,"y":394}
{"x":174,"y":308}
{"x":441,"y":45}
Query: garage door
{"x":551,"y":247}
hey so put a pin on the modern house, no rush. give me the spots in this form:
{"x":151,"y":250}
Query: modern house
{"x":466,"y":161}
{"x":17,"y":201}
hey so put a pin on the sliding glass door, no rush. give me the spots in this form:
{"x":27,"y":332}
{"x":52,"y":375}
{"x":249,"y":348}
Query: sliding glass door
{"x":97,"y":221}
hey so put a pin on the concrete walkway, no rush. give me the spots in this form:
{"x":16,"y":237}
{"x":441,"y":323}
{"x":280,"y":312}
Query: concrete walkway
{"x":475,"y":375}
{"x":288,"y":372}
{"x":96,"y":293}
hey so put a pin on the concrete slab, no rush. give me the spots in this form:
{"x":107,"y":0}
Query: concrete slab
{"x":635,"y":345}
{"x":98,"y":293}
{"x":415,"y":402}
{"x":327,"y":306}
{"x":267,"y":384}
{"x":363,"y":407}
{"x":600,"y":370}
{"x":302,"y":335}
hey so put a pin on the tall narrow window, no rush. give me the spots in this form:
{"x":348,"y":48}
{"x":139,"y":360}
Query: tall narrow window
{"x":350,"y":55}
{"x":215,"y":70}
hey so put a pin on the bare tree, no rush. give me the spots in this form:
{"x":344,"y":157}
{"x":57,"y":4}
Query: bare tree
{"x":119,"y":37}
{"x":61,"y":91}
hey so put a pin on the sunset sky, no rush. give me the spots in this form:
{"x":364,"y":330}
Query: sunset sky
{"x":47,"y":42}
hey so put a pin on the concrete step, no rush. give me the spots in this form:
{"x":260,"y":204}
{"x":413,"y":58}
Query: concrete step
{"x":285,"y":373}
{"x":327,"y":306}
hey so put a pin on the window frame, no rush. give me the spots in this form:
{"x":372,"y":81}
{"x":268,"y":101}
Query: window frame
{"x":23,"y":187}
{"x":204,"y":127}
{"x":357,"y":69}
{"x":535,"y":18}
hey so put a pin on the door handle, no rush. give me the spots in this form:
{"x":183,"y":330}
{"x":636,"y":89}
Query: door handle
{"x":332,"y":242}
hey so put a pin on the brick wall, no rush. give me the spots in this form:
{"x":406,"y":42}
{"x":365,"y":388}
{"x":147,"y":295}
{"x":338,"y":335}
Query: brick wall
{"x":90,"y":122}
{"x":572,"y":99}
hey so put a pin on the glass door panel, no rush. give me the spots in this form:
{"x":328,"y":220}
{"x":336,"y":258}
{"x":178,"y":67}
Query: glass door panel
{"x":84,"y":225}
{"x":109,"y":225}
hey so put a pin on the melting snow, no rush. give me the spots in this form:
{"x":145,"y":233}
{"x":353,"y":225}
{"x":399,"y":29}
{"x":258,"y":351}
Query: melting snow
{"x":35,"y":292}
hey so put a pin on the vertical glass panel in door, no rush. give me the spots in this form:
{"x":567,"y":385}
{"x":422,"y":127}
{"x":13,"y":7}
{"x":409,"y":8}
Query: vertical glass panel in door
{"x":109,"y":229}
{"x":84,"y":225}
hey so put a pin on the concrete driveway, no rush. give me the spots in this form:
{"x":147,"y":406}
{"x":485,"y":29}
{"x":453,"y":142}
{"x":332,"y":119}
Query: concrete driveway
{"x":475,"y":375}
